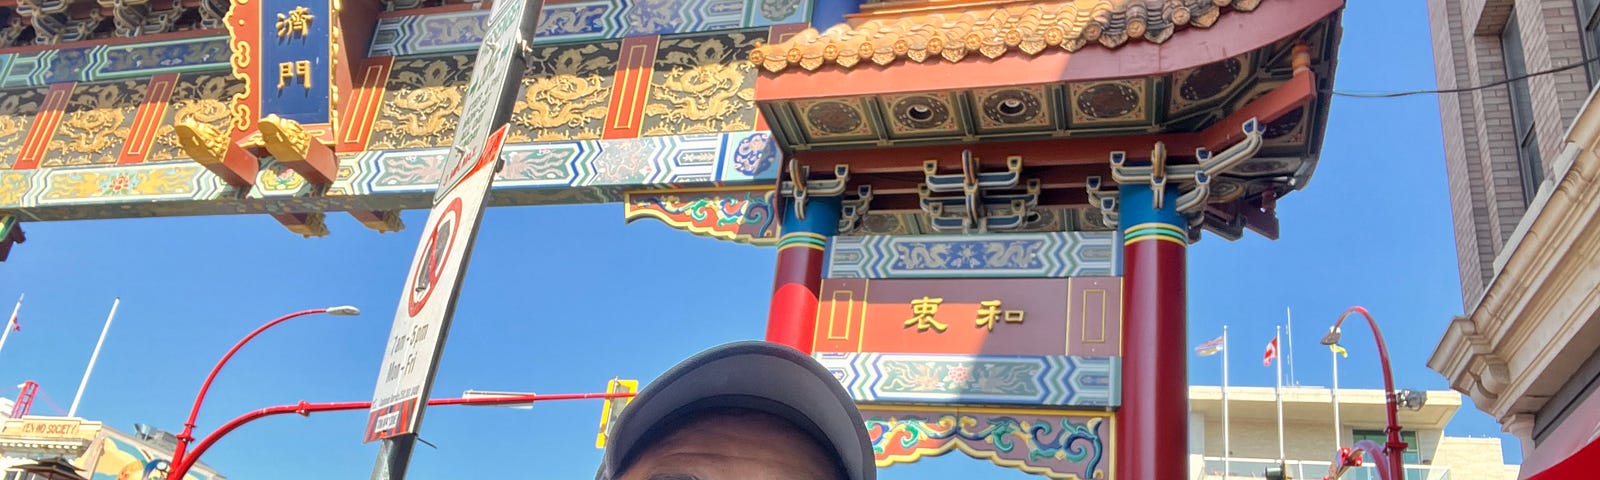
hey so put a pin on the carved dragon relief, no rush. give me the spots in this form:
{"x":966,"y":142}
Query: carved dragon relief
{"x":702,"y":85}
{"x":17,"y":109}
{"x":421,"y":103}
{"x":95,"y":124}
{"x":566,"y":93}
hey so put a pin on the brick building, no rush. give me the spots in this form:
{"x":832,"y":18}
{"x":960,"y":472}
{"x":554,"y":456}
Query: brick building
{"x":1308,"y":441}
{"x":1519,"y":144}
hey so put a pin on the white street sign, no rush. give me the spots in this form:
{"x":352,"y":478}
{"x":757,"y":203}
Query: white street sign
{"x":429,"y":301}
{"x":496,"y":71}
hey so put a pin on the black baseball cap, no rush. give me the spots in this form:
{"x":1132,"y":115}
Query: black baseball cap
{"x":761,"y":376}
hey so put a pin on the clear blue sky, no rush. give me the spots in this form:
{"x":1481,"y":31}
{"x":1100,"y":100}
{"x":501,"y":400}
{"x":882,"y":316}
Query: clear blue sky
{"x":560,"y":299}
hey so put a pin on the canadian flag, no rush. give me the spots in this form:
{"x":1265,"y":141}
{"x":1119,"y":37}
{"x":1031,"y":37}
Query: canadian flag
{"x":1272,"y":352}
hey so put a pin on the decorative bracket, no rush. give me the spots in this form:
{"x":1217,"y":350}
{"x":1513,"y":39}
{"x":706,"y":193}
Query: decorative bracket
{"x":382,"y":221}
{"x":1196,"y":179}
{"x":800,"y":186}
{"x":211,"y":148}
{"x":741,"y":215}
{"x":974,"y":209}
{"x":10,"y":234}
{"x":855,"y":208}
{"x":306,"y":224}
{"x":297,"y":148}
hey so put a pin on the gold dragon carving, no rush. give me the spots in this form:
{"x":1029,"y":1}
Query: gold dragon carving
{"x":17,"y":109}
{"x":202,"y":100}
{"x":703,"y":85}
{"x":421,"y":103}
{"x":566,"y":93}
{"x":95,"y":125}
{"x":204,"y":143}
{"x":285,"y":139}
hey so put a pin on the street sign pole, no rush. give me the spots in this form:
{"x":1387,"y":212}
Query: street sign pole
{"x":428,"y":300}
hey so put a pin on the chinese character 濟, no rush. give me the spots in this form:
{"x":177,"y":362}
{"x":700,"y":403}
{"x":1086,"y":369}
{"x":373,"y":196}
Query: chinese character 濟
{"x":298,"y":21}
{"x":922,"y":311}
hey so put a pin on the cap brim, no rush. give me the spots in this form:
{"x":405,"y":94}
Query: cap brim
{"x":761,"y":376}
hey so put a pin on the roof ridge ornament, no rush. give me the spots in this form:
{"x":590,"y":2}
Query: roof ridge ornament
{"x":920,"y":34}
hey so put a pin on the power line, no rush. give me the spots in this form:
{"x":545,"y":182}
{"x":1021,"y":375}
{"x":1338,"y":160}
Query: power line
{"x":1464,"y":89}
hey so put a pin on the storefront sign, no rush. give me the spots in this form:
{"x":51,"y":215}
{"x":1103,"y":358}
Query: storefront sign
{"x":1043,"y":316}
{"x":45,"y":428}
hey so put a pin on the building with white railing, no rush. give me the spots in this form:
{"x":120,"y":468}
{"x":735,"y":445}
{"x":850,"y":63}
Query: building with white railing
{"x":1309,"y":431}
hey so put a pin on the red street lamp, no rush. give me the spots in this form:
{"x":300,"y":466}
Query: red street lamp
{"x":180,"y":467}
{"x":1392,"y":467}
{"x":188,"y":426}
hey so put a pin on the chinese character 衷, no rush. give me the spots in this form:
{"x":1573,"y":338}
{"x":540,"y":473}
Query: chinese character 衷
{"x":298,"y":21}
{"x":922,"y":311}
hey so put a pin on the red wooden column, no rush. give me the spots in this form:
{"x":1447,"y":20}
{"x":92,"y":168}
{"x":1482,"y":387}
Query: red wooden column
{"x":1153,"y":423}
{"x":792,"y":319}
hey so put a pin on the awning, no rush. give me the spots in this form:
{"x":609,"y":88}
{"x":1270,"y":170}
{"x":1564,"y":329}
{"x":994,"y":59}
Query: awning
{"x":1572,"y":449}
{"x":1582,"y":464}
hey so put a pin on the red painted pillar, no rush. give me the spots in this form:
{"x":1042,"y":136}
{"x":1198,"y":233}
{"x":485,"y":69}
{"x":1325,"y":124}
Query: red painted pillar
{"x":1153,"y":421}
{"x":792,"y":319}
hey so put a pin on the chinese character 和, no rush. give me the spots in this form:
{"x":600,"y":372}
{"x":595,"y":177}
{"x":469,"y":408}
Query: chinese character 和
{"x":988,"y":310}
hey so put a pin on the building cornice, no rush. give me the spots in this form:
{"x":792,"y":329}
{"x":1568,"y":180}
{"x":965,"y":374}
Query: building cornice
{"x":1542,"y":294}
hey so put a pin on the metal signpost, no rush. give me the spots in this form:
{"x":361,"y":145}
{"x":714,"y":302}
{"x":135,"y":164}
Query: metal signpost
{"x":422,"y":320}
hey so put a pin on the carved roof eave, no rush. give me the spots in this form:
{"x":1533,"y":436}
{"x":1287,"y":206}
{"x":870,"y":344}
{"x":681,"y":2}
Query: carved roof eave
{"x":1006,"y":59}
{"x":1495,"y":353}
{"x":954,"y":32}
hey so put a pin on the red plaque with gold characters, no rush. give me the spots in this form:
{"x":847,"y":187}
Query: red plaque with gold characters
{"x":1045,"y":316}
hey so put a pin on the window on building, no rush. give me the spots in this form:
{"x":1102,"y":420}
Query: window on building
{"x":1522,"y":109}
{"x":1589,"y":28}
{"x":1413,"y":453}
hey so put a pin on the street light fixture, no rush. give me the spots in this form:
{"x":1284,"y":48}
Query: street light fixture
{"x":343,"y":311}
{"x":1412,"y":400}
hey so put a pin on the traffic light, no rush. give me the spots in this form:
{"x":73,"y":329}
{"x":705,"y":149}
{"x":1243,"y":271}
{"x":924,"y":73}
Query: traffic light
{"x":613,"y":407}
{"x":1277,"y":472}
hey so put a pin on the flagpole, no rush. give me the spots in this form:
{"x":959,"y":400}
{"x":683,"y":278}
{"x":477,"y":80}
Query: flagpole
{"x":12,"y":323}
{"x":1278,"y":392}
{"x":1289,"y":354}
{"x":73,"y":411}
{"x":1227,"y":448}
{"x":1338,"y":431}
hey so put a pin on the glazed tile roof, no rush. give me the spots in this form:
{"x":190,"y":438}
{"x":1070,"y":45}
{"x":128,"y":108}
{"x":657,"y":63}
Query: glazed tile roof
{"x":928,"y":31}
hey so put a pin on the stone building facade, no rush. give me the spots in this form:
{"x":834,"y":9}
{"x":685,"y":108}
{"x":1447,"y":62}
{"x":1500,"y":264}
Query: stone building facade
{"x":1519,"y":128}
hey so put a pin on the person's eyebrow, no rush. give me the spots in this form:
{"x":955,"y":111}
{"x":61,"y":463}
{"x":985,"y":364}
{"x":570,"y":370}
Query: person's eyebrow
{"x":673,"y":476}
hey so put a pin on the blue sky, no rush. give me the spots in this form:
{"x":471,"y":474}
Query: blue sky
{"x":560,"y":299}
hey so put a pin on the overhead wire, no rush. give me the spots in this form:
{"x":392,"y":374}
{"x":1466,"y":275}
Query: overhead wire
{"x":1408,"y":93}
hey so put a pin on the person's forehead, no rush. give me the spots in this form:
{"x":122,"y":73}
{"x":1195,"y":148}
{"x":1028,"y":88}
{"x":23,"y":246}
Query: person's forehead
{"x":719,"y":445}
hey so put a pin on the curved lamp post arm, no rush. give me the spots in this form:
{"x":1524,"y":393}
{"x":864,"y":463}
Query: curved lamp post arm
{"x":181,"y":467}
{"x":187,"y":435}
{"x":1393,"y":447}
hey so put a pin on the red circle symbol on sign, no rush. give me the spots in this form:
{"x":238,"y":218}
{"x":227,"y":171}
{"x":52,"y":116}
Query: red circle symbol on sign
{"x":435,"y":254}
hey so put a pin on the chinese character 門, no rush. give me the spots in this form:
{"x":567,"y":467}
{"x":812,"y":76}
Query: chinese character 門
{"x":922,"y":311}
